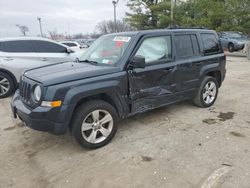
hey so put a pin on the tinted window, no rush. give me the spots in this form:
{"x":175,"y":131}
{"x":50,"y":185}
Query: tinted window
{"x":196,"y":48}
{"x":48,"y":47}
{"x":69,"y":44}
{"x":156,"y":49}
{"x":210,"y":42}
{"x":183,"y":45}
{"x":21,"y":46}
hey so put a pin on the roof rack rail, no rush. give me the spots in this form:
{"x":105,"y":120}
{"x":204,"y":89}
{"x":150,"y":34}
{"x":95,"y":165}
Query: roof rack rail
{"x":183,"y":27}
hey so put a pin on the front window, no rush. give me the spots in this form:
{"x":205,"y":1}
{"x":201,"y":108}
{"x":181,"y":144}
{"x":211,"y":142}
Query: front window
{"x":156,"y":50}
{"x":106,"y":50}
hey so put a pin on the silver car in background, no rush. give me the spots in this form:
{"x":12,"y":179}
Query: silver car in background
{"x":20,"y":54}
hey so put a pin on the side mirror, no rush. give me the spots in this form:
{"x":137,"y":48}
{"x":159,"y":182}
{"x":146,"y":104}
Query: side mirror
{"x":69,"y":51}
{"x":84,"y":46}
{"x":138,"y":62}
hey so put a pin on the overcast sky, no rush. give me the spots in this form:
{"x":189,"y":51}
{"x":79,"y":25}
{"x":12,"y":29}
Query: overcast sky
{"x":71,"y":16}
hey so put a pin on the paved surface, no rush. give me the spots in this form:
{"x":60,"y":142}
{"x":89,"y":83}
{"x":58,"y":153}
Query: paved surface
{"x":175,"y":146}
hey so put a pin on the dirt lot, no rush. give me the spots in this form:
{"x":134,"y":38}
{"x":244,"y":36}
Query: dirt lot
{"x":176,"y":146}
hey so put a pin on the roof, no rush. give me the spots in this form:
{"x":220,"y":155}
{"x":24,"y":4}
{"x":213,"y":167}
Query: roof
{"x":131,"y":33}
{"x":25,"y":38}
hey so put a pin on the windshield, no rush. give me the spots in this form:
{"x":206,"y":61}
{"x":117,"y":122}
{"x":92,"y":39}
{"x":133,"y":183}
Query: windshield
{"x":235,"y":35}
{"x":106,"y":50}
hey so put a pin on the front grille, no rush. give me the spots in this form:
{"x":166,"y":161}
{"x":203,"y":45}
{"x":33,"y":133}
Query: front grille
{"x":26,"y":87}
{"x":25,"y":91}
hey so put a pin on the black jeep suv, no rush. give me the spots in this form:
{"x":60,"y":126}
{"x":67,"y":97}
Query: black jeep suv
{"x":121,"y":75}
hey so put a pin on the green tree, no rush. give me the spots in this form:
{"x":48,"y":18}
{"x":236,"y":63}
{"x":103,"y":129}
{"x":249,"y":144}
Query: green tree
{"x":215,"y":14}
{"x":148,"y":14}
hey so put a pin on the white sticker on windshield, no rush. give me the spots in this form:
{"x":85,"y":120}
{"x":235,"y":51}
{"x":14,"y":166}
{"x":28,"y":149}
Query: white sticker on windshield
{"x":122,"y":39}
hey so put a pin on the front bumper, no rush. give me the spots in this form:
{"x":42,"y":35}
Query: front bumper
{"x":239,"y":46}
{"x":40,"y":118}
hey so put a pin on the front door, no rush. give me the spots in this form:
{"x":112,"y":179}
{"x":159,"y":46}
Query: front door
{"x":154,"y":85}
{"x":50,"y":52}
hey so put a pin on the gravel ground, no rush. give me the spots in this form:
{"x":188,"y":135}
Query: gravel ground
{"x":175,"y":146}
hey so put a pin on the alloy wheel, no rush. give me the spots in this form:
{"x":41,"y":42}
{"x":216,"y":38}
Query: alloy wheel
{"x":4,"y":85}
{"x":209,"y":92}
{"x":97,"y":126}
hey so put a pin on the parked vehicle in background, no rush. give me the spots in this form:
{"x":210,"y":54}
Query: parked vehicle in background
{"x":247,"y":50}
{"x":20,"y":54}
{"x":233,"y":41}
{"x":121,"y":75}
{"x":75,"y":46}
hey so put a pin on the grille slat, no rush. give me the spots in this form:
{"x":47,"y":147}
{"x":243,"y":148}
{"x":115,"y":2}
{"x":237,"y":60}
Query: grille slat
{"x":25,"y":89}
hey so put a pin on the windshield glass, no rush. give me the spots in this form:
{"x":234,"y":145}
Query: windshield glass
{"x":235,"y":35}
{"x":106,"y":50}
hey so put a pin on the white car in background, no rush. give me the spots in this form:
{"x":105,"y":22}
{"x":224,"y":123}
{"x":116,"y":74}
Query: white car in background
{"x":22,"y":53}
{"x":75,"y":46}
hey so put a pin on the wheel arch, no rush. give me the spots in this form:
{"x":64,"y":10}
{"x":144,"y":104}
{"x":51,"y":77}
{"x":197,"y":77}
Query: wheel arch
{"x":217,"y":75}
{"x":11,"y":75}
{"x":112,"y":98}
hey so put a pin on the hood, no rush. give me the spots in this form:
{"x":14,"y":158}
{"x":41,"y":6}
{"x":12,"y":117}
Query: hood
{"x":66,"y":72}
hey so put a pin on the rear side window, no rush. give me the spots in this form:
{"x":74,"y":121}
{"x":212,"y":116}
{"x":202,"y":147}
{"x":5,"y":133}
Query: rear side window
{"x":196,"y":48}
{"x":211,"y":43}
{"x":21,"y":46}
{"x":48,"y":47}
{"x":156,"y":49}
{"x":183,"y":45}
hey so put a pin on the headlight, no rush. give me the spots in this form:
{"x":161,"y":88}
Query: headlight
{"x":37,"y":93}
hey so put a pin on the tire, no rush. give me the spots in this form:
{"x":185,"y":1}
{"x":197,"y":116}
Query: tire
{"x":206,"y":96}
{"x":7,"y":85}
{"x":231,"y":47}
{"x":94,"y":134}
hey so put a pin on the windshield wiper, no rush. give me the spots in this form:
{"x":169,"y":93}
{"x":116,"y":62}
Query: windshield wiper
{"x":88,"y":61}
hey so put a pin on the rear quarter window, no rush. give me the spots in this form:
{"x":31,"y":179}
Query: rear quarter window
{"x":210,"y":43}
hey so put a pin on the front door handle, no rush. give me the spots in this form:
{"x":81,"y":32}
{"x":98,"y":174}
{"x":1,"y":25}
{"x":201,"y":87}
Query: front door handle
{"x":198,"y":63}
{"x":8,"y":59}
{"x":44,"y":59}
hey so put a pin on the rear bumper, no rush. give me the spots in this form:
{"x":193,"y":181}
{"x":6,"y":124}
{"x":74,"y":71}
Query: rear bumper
{"x":36,"y":118}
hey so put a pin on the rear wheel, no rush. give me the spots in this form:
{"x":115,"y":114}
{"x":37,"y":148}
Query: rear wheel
{"x":6,"y":85}
{"x":207,"y":92}
{"x":94,"y":124}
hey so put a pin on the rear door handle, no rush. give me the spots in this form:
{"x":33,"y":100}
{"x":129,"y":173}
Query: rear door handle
{"x":7,"y":59}
{"x":168,"y":69}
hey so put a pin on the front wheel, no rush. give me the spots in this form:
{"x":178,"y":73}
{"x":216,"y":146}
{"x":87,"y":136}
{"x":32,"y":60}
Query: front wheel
{"x":94,"y":124}
{"x":231,"y":47}
{"x":207,"y":92}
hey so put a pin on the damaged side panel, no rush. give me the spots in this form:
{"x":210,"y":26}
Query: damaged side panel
{"x":152,"y":87}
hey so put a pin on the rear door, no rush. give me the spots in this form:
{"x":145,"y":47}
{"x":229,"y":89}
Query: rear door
{"x":189,"y":62}
{"x":18,"y":56}
{"x":50,"y":52}
{"x":154,"y":85}
{"x":212,"y":52}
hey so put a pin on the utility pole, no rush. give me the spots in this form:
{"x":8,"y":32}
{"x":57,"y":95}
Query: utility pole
{"x":172,"y":12}
{"x":40,"y":24}
{"x":115,"y":4}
